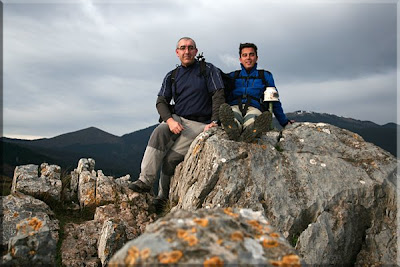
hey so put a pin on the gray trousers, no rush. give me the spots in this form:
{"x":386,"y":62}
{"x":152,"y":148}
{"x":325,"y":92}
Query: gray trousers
{"x":165,"y":150}
{"x":249,"y":117}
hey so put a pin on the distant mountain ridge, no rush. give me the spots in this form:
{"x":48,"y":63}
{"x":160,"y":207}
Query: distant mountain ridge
{"x":119,"y":156}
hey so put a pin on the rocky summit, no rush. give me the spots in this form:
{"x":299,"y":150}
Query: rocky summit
{"x":311,"y":193}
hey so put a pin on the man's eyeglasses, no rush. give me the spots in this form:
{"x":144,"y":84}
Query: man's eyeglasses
{"x":190,"y":47}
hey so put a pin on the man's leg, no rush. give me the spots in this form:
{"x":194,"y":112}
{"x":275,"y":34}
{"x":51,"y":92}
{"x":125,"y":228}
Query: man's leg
{"x":231,"y":121}
{"x":237,"y":114}
{"x":250,"y":116}
{"x":159,"y":143}
{"x":255,"y":124}
{"x":177,"y":154}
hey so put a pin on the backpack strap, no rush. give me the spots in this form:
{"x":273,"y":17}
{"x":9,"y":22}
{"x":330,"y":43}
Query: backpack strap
{"x":236,"y":75}
{"x":202,"y":61}
{"x":261,"y":74}
{"x":173,"y":86}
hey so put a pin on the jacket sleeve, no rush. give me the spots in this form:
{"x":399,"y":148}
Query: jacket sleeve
{"x":218,"y":98}
{"x":164,"y":98}
{"x":279,"y":114}
{"x":163,"y":108}
{"x":215,"y":86}
{"x":276,"y":106}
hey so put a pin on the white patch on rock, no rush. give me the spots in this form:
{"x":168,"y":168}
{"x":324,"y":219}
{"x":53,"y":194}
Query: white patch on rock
{"x":326,"y":131}
{"x":254,"y":247}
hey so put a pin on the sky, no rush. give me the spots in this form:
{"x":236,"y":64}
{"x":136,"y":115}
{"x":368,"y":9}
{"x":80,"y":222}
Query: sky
{"x":69,"y":65}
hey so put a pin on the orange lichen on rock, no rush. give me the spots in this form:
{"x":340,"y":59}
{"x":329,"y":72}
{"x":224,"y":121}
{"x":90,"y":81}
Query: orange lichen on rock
{"x":274,"y":235}
{"x":35,"y":223}
{"x":133,"y":256}
{"x":230,"y":212}
{"x":264,"y":147}
{"x":201,"y":222}
{"x":184,"y":235}
{"x":213,"y":261}
{"x":16,"y":214}
{"x":196,"y":149}
{"x":191,"y":240}
{"x":145,"y":253}
{"x":170,"y":257}
{"x":288,"y":261}
{"x":237,"y":236}
{"x":219,"y":241}
{"x":291,"y":260}
{"x":256,"y":226}
{"x":268,"y":243}
{"x":194,"y":230}
{"x":181,"y":233}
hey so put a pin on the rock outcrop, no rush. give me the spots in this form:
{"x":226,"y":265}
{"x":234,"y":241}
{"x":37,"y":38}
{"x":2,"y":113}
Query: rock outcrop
{"x":209,"y":237}
{"x":312,"y":193}
{"x":43,"y":183}
{"x":331,"y":194}
{"x":114,"y":214}
{"x":30,"y":231}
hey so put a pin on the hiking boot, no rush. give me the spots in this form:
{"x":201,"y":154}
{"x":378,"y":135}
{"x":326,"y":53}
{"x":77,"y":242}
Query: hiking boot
{"x":160,"y":204}
{"x":261,"y":124}
{"x":228,"y":122}
{"x":139,"y":186}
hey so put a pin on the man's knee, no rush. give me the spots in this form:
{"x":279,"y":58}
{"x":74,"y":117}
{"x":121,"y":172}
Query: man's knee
{"x":161,"y":137}
{"x":171,"y":160}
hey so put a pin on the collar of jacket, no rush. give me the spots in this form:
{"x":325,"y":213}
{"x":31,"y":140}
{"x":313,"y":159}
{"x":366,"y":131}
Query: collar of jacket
{"x":191,"y":65}
{"x":252,"y":72}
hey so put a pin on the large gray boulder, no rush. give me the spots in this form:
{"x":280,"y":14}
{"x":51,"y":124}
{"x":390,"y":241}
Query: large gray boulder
{"x":330,"y":193}
{"x":209,"y":237}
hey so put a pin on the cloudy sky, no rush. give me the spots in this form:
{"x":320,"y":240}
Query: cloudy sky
{"x":69,"y":65}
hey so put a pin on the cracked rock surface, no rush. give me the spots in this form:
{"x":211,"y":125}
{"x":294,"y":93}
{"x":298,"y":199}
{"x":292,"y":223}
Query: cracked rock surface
{"x":329,"y":192}
{"x":209,"y":237}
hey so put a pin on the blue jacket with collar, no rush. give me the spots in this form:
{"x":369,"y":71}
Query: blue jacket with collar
{"x":248,"y":83}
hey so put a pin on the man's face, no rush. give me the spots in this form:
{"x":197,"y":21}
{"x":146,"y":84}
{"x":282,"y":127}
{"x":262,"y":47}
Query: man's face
{"x":186,"y":52}
{"x":248,"y":58}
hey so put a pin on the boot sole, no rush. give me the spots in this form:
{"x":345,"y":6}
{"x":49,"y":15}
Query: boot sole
{"x":226,"y":116}
{"x":261,"y":124}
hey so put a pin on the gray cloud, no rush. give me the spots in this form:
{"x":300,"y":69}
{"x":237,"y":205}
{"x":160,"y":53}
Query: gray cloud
{"x":72,"y":65}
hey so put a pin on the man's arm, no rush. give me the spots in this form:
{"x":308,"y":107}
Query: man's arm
{"x":162,"y":106}
{"x":166,"y":115}
{"x":218,"y":98}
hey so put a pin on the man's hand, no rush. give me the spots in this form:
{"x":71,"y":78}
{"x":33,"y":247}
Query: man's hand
{"x":174,"y":126}
{"x":210,"y":125}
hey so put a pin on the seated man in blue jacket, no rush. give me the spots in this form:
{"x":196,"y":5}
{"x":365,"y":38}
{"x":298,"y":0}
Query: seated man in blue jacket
{"x":244,"y":117}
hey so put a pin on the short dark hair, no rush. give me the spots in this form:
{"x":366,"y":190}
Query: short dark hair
{"x":247,"y":45}
{"x":186,"y":38}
